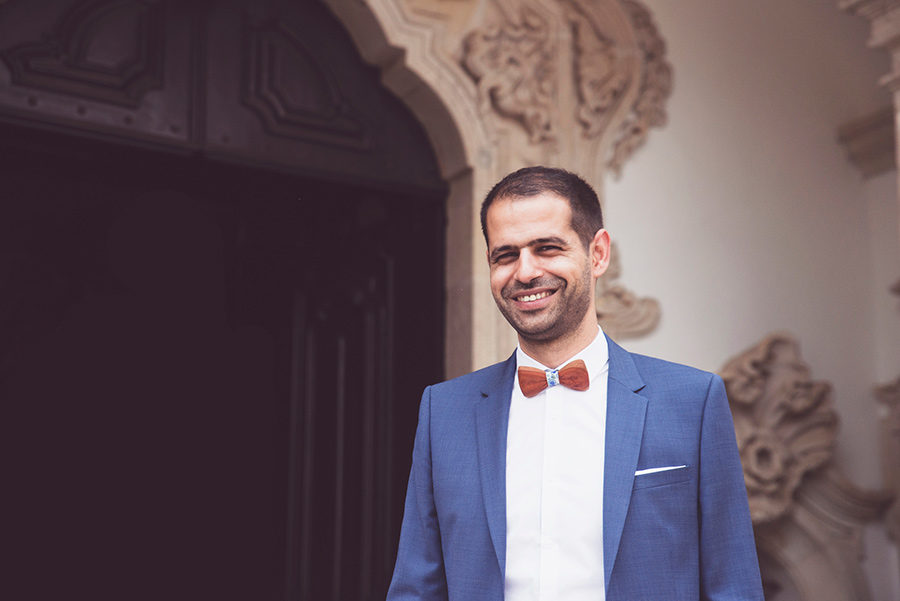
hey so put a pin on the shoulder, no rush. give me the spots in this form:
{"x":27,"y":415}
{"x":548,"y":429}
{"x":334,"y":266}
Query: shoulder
{"x":678,"y":395}
{"x":655,"y":368}
{"x":670,"y":378}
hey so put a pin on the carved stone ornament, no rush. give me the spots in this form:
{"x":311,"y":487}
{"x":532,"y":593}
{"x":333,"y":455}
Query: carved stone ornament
{"x":655,"y":88}
{"x":808,"y":518}
{"x":601,"y":73}
{"x":513,"y":65}
{"x":784,"y":421}
{"x":605,"y":71}
{"x":129,"y":62}
{"x":621,"y":313}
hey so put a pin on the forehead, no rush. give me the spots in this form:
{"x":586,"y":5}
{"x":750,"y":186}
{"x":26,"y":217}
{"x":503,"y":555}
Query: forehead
{"x":515,"y":220}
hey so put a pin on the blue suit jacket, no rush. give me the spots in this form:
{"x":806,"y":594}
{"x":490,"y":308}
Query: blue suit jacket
{"x":677,"y":535}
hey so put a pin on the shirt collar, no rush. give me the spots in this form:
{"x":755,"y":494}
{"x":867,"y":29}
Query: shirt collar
{"x":595,"y":356}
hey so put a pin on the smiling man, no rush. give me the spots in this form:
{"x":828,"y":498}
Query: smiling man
{"x":574,"y":470}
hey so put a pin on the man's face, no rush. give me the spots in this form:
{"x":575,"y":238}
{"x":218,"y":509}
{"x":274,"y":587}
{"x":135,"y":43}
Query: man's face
{"x":542,"y":277}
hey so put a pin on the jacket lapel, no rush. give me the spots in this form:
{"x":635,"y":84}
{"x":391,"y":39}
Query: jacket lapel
{"x":492,"y":419}
{"x":625,"y":412}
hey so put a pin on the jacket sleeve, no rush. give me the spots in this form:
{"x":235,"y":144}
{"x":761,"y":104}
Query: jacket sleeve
{"x":729,"y":570}
{"x":419,"y":570}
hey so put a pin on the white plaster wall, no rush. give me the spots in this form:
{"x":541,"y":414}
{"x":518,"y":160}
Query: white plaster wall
{"x":743,"y":215}
{"x":883,"y":218}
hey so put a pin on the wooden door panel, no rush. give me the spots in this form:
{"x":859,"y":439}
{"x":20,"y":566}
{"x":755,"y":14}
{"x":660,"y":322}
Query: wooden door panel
{"x":117,"y":66}
{"x":341,"y":443}
{"x":300,"y":98}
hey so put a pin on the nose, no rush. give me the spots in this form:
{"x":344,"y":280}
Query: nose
{"x":528,"y":268}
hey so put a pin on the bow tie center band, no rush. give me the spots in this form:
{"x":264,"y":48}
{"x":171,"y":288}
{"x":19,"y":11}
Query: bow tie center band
{"x":533,"y":380}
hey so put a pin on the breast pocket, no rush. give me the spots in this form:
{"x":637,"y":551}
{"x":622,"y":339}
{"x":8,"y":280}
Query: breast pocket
{"x":663,"y":478}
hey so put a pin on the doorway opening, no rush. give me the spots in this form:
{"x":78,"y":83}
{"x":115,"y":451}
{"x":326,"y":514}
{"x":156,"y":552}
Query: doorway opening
{"x":213,"y":369}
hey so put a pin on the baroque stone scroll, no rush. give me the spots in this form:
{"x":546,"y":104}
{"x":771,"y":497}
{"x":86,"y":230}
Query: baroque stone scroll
{"x":808,"y":517}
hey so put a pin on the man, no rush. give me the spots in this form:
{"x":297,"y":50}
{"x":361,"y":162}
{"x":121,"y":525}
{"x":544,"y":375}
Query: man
{"x":574,"y":470}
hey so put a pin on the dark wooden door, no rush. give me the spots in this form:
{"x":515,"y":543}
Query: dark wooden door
{"x":221,"y":294}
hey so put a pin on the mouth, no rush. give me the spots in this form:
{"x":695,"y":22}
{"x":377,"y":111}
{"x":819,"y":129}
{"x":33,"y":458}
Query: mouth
{"x":532,"y":299}
{"x":527,"y":298}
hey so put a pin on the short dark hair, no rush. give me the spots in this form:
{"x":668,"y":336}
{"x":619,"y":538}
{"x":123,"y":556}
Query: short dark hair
{"x":587,"y":216}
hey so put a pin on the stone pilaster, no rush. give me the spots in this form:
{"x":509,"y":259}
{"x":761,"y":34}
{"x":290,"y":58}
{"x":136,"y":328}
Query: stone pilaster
{"x":884,"y":17}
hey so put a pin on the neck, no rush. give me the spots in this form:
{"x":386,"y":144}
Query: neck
{"x":552,"y":353}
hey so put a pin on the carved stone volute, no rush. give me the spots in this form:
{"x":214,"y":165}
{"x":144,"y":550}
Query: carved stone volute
{"x":808,"y":517}
{"x":621,"y":312}
{"x":785,"y":422}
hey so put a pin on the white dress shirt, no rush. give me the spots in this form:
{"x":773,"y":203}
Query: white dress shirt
{"x":554,"y":486}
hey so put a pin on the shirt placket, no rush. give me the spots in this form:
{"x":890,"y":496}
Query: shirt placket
{"x":551,"y":498}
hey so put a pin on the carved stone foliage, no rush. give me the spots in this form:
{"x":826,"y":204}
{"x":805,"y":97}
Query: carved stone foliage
{"x":513,"y":65}
{"x":621,"y":313}
{"x":655,"y":87}
{"x":601,"y":74}
{"x":784,"y":421}
{"x":292,"y":93}
{"x":106,"y":50}
{"x":808,"y":518}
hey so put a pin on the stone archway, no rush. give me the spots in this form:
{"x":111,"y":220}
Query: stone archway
{"x":437,"y":96}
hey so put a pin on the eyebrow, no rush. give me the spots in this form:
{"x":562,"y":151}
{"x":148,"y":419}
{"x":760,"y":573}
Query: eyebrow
{"x":536,"y":242}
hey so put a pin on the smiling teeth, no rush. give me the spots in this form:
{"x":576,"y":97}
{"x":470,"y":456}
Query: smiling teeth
{"x":534,"y":297}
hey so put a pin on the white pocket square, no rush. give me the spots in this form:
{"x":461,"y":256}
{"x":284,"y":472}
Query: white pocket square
{"x":653,"y":470}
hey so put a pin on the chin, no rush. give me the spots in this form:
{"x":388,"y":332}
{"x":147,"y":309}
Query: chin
{"x":536,"y":334}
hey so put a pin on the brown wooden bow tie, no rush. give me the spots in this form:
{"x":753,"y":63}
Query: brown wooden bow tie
{"x":533,"y":380}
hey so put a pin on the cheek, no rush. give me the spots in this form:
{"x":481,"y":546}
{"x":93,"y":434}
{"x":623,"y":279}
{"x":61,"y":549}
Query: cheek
{"x":499,"y":278}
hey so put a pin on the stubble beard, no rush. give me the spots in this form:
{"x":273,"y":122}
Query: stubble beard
{"x":552,"y":323}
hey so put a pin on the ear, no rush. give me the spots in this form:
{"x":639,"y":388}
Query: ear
{"x":599,"y":250}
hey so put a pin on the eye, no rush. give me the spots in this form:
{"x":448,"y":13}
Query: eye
{"x":506,"y":257}
{"x":549,"y":248}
